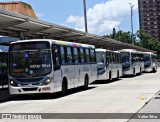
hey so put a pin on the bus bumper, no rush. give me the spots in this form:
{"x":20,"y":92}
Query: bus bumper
{"x":31,"y":89}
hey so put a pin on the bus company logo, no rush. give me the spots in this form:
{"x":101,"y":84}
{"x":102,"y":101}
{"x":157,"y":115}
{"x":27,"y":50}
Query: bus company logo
{"x":6,"y":116}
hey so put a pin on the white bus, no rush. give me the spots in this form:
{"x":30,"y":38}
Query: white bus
{"x":48,"y":66}
{"x":109,"y":64}
{"x":132,"y":61}
{"x":150,"y":62}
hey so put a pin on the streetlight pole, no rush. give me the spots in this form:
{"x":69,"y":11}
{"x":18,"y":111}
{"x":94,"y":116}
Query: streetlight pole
{"x":85,"y":16}
{"x":131,"y":6}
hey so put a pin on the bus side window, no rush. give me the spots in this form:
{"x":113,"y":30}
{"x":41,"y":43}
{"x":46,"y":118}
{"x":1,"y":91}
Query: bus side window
{"x":69,"y":56}
{"x":72,"y":53}
{"x":85,"y":61}
{"x":76,"y":56}
{"x":87,"y":56}
{"x":82,"y":55}
{"x":92,"y":56}
{"x":79,"y":56}
{"x":133,"y":58}
{"x":56,"y":57}
{"x":111,"y":59}
{"x":107,"y":58}
{"x":114,"y":57}
{"x":117,"y":58}
{"x":63,"y":59}
{"x":137,"y":58}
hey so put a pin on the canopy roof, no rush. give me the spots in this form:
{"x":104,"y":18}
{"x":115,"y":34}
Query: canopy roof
{"x":24,"y":27}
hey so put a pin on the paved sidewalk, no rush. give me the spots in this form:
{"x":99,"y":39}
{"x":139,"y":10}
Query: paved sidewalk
{"x":150,"y":112}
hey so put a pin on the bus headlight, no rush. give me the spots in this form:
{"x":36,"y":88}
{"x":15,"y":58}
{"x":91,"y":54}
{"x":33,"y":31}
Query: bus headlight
{"x":13,"y":83}
{"x":46,"y":82}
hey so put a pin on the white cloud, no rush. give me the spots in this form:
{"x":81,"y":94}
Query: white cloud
{"x":103,"y":17}
{"x":39,"y":15}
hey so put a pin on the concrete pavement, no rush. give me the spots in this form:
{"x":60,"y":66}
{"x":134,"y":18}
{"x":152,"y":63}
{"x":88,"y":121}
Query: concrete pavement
{"x":128,"y":95}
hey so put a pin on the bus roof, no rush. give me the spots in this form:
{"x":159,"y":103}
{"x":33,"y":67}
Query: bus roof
{"x":58,"y":42}
{"x":149,"y":53}
{"x":101,"y":50}
{"x":105,"y":50}
{"x":127,"y":50}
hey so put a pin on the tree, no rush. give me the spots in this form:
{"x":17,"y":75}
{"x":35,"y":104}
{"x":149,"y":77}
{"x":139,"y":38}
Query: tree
{"x":144,"y":38}
{"x":120,"y":36}
{"x":141,"y":38}
{"x":154,"y":45}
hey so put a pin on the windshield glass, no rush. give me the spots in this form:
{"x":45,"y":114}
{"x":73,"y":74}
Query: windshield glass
{"x":30,"y":63}
{"x":100,"y":57}
{"x":146,"y":58}
{"x":125,"y":57}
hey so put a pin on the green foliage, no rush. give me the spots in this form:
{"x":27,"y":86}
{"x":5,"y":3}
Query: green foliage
{"x":144,"y":37}
{"x":141,"y":38}
{"x":154,"y":45}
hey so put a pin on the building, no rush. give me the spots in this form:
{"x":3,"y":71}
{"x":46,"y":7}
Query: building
{"x":149,"y":17}
{"x":18,"y":7}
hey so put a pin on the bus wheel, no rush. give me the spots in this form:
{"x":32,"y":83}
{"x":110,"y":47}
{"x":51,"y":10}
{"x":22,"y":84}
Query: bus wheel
{"x":154,"y":70}
{"x":86,"y":82}
{"x":117,"y":75}
{"x":140,"y":71}
{"x":134,"y":72}
{"x":64,"y":88}
{"x":110,"y":75}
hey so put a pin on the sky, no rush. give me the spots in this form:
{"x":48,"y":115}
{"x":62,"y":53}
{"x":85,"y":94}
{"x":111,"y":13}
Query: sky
{"x":102,"y":15}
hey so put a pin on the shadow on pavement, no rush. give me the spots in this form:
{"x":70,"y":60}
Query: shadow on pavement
{"x":42,"y":96}
{"x":105,"y":81}
{"x":132,"y":76}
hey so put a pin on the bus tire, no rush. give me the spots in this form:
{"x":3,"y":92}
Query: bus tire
{"x":64,"y":87}
{"x":140,"y":71}
{"x":110,"y":76}
{"x":117,"y":75}
{"x":154,"y":70}
{"x":134,"y":72}
{"x":86,"y":82}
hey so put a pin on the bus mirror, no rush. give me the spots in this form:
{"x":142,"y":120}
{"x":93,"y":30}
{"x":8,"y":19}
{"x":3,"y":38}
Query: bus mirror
{"x":55,"y":51}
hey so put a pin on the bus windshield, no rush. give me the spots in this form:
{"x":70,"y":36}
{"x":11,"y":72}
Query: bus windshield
{"x":30,"y":63}
{"x":125,"y":57}
{"x":100,"y":57}
{"x":146,"y":58}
